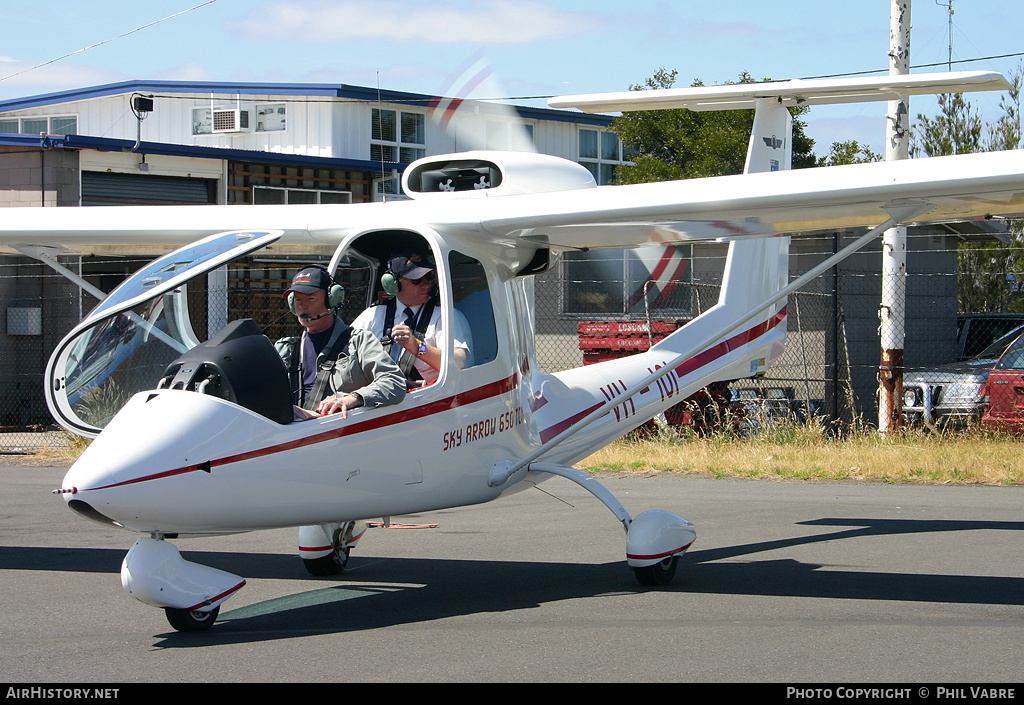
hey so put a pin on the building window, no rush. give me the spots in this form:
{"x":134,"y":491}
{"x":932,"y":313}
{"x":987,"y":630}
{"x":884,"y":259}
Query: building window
{"x":396,"y":136}
{"x":271,"y":118}
{"x":269,"y":195}
{"x":601,"y":152}
{"x":40,"y":124}
{"x":502,"y":135}
{"x":250,"y":182}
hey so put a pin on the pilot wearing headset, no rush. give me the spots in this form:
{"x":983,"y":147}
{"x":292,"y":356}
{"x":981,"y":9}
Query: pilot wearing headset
{"x":332,"y":366}
{"x":409,"y":325}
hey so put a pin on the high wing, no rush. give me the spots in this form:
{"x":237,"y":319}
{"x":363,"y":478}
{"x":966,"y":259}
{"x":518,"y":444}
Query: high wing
{"x":938,"y":189}
{"x":538,"y":200}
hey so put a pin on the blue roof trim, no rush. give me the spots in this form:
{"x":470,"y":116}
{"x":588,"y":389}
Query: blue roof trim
{"x":106,"y":144}
{"x":573,"y":116}
{"x":360,"y":93}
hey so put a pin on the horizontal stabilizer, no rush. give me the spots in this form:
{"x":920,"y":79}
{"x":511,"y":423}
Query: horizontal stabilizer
{"x":737,"y":96}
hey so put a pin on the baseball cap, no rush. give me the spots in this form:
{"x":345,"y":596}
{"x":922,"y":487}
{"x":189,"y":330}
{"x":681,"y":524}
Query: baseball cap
{"x":310,"y":280}
{"x":409,"y":265}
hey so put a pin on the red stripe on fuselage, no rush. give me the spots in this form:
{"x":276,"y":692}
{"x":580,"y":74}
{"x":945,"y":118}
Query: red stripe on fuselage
{"x":552,"y":431}
{"x":691,"y":365}
{"x":733,"y":343}
{"x":435,"y":407}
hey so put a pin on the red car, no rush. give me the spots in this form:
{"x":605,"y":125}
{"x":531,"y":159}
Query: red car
{"x":1004,"y":410}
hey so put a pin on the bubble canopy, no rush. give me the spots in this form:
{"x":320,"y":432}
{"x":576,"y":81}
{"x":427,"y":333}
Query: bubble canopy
{"x":123,"y":345}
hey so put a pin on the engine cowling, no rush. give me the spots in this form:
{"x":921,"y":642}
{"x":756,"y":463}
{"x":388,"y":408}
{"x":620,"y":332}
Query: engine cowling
{"x":486,"y":174}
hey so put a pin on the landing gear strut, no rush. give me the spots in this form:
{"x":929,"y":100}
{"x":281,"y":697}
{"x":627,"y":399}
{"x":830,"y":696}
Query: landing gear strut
{"x":328,"y":550}
{"x":655,"y":539}
{"x":334,"y":562}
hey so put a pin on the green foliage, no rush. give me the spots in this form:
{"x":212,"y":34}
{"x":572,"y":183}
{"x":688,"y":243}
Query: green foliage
{"x":684,"y":144}
{"x":983,"y":285}
{"x":849,"y":152}
{"x":956,"y":130}
{"x":1005,"y":132}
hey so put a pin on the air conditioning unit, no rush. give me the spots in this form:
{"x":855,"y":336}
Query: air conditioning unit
{"x":231,"y":120}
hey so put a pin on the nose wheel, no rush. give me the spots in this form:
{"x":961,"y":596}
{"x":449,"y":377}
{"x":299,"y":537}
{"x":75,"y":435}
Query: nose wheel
{"x":191,"y":620}
{"x":659,"y":574}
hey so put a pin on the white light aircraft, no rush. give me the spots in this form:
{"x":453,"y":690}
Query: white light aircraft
{"x":206,"y":444}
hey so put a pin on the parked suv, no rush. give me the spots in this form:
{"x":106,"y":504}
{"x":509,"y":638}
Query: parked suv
{"x":976,"y":331}
{"x":1005,"y":390}
{"x":953,"y":392}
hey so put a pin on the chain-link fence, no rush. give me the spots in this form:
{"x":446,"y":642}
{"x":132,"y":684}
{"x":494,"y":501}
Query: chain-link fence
{"x":832,"y":363}
{"x":810,"y":378}
{"x":829,"y":369}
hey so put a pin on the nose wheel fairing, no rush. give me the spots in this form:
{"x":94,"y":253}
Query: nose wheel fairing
{"x":154,"y":572}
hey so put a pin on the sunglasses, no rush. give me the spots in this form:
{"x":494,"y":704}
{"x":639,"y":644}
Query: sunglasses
{"x":426,"y":277}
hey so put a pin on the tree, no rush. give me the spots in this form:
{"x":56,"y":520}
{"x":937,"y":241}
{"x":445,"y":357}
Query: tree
{"x":849,"y":152}
{"x":683,"y":144}
{"x":956,"y":130}
{"x":990,"y":274}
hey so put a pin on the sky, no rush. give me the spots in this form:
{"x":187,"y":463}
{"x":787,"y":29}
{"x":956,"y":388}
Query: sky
{"x":537,"y":48}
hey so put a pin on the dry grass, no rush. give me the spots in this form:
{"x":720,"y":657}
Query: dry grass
{"x":796,"y":452}
{"x":807,"y":453}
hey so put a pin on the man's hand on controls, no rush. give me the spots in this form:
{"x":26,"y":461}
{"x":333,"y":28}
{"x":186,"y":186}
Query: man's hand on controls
{"x":339,"y":405}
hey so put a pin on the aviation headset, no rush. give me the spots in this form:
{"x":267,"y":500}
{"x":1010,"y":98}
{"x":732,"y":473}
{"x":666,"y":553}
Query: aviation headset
{"x":335,"y":295}
{"x":390,"y":282}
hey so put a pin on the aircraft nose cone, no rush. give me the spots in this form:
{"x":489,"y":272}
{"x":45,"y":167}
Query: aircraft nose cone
{"x":80,"y":489}
{"x":86,"y":474}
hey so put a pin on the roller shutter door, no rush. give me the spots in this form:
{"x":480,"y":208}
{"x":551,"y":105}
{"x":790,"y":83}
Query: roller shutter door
{"x":109,"y":189}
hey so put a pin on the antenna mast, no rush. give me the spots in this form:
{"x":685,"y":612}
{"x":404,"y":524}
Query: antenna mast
{"x":949,"y":24}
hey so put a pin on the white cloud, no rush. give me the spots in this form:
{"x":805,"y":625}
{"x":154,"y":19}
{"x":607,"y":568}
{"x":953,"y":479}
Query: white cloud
{"x":731,"y":29}
{"x":20,"y":78}
{"x":482,"y":22}
{"x":185,"y":72}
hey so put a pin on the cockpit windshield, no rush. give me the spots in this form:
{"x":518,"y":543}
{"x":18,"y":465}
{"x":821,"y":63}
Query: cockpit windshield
{"x":123,"y":354}
{"x":125,"y":343}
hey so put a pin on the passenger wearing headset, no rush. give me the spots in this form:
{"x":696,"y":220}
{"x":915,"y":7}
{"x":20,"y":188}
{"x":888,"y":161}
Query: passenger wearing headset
{"x":332,"y":366}
{"x":409,"y":325}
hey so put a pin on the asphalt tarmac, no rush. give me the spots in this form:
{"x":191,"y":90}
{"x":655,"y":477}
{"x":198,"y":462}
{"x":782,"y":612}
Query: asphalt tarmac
{"x":794,"y":582}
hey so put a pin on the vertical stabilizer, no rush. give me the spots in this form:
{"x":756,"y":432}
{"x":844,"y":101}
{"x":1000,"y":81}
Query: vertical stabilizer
{"x":757,"y":268}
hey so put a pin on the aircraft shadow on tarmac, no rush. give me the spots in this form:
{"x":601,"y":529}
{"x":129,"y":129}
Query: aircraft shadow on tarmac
{"x":381,"y":592}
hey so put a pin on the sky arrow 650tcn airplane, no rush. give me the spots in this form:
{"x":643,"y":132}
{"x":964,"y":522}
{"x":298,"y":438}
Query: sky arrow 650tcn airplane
{"x":207,"y":444}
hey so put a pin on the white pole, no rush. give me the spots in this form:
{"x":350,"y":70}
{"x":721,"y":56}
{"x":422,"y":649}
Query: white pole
{"x":892,"y":310}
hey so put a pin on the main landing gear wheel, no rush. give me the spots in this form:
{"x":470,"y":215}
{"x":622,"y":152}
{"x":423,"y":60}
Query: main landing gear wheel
{"x":334,"y":562}
{"x":191,"y":620}
{"x":658,"y":574}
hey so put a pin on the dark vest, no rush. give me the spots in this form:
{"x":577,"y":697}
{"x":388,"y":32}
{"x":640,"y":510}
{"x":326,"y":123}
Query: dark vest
{"x":407,"y":361}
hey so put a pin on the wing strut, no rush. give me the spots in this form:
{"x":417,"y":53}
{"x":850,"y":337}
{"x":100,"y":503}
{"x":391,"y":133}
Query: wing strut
{"x":503,"y":470}
{"x":39,"y":252}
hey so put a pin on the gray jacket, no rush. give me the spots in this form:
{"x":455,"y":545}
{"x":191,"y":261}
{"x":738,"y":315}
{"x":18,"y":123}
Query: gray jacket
{"x":361,"y":367}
